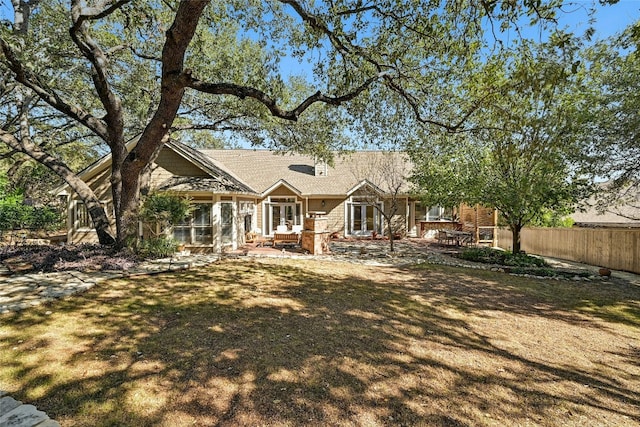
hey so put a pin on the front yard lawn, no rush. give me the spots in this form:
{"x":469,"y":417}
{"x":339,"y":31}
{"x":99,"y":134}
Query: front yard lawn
{"x":300,"y":342}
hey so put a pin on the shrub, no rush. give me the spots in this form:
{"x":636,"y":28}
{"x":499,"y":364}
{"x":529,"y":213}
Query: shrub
{"x":494,"y":256}
{"x":157,"y":247}
{"x":166,"y":209}
{"x":15,"y":216}
{"x":46,"y":218}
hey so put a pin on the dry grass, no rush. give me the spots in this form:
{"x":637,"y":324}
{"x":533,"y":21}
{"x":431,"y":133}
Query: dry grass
{"x":290,"y":342}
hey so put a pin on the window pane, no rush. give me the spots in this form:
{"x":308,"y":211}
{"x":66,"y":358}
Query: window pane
{"x":203,"y":235}
{"x":276,"y":218}
{"x":370,"y":213}
{"x":202,"y":215}
{"x":447,"y":214}
{"x":357,"y":218}
{"x":198,"y":225}
{"x":422,"y":212}
{"x":226,"y":217}
{"x":182,"y":234}
{"x":434,"y":213}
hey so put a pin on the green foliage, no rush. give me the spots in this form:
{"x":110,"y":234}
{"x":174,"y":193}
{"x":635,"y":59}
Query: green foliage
{"x":229,"y":67}
{"x":157,"y":247}
{"x":45,"y":218}
{"x":553,"y":219}
{"x":165,"y":209}
{"x":447,"y":172}
{"x":608,"y":102}
{"x":14,"y":214}
{"x":520,"y":156}
{"x":499,"y":257}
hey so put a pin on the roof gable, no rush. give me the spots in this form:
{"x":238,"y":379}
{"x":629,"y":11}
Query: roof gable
{"x":281,"y":183}
{"x":213,"y":176}
{"x":216,"y":171}
{"x":365,"y":185}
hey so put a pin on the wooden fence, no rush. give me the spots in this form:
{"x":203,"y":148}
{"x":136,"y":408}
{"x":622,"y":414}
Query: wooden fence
{"x":614,"y":248}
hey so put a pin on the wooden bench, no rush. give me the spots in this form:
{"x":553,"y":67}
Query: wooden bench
{"x":286,"y":239}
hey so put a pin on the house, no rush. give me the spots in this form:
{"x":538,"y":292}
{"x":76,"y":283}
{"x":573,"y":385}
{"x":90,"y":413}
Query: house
{"x":235,"y":192}
{"x":623,"y":214}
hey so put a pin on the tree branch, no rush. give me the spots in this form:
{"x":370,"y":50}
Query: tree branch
{"x":212,"y":126}
{"x":243,"y":92}
{"x":80,"y":35}
{"x":174,"y":81}
{"x":99,"y":11}
{"x":28,"y":79}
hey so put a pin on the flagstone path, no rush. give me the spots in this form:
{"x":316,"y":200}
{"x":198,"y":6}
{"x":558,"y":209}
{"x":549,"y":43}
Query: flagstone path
{"x":14,"y":413}
{"x":21,"y":291}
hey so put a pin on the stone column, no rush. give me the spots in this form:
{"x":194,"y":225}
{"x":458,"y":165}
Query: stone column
{"x":315,"y":237}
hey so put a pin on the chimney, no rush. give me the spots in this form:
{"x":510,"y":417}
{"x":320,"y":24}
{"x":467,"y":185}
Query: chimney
{"x":321,"y":168}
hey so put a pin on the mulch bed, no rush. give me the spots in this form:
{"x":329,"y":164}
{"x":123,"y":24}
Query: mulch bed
{"x":26,"y":258}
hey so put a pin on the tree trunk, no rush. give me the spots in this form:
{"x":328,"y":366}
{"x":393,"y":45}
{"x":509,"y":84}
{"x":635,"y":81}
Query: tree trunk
{"x":128,"y":210}
{"x":392,"y":212}
{"x":96,"y":212}
{"x":515,"y":231}
{"x":128,"y":169}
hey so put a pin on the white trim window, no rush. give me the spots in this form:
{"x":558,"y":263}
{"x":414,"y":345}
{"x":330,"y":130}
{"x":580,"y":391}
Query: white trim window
{"x":197,"y":228}
{"x":246,"y":212}
{"x":281,"y":213}
{"x":363,"y":218}
{"x":433,"y":213}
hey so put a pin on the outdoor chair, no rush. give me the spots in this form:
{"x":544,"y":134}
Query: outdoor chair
{"x":286,"y":239}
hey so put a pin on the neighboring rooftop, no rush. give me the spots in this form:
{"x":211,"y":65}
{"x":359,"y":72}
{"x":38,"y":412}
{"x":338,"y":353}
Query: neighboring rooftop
{"x":626,"y":213}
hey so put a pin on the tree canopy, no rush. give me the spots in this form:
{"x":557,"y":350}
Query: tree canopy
{"x":609,"y":101}
{"x":118,"y":69}
{"x":521,"y":157}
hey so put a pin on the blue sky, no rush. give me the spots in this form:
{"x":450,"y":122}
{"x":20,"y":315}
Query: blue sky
{"x":610,"y":19}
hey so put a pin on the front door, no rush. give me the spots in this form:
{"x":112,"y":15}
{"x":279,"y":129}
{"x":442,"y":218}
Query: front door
{"x":364,"y":219}
{"x":284,"y":215}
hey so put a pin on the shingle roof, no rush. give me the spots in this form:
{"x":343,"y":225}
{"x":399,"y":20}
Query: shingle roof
{"x":609,"y":218}
{"x":222,"y":180}
{"x":195,"y":183}
{"x":262,"y":169}
{"x":626,"y":213}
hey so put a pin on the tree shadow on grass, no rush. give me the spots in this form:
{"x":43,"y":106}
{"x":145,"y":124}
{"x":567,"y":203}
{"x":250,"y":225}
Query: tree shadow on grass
{"x":613,"y":301}
{"x":253,"y":343}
